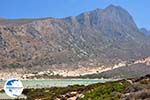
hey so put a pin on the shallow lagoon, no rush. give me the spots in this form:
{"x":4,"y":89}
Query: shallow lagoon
{"x":61,"y":82}
{"x":45,"y":83}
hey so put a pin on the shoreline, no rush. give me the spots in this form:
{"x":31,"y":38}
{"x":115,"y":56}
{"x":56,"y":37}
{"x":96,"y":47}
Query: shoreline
{"x":47,"y":83}
{"x":68,"y":79}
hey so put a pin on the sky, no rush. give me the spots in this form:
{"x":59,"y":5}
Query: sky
{"x":14,"y":9}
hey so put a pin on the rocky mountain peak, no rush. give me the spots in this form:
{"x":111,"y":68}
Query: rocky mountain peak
{"x":119,"y":16}
{"x":112,"y":7}
{"x":105,"y":19}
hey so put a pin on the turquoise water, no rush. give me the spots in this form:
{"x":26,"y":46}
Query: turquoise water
{"x":58,"y":82}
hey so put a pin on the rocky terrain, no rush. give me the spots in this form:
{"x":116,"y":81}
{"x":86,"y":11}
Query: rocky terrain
{"x":138,"y":90}
{"x":131,"y":69}
{"x":98,"y":39}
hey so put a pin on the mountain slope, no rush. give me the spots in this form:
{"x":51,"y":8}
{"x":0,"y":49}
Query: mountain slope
{"x":102,"y":37}
{"x":145,"y":31}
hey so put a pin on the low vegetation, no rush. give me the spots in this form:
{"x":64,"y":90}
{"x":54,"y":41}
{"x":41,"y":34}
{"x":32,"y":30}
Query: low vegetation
{"x":51,"y":93}
{"x":108,"y":91}
{"x":91,"y":92}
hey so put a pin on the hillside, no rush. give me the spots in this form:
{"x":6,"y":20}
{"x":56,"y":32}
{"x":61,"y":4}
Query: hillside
{"x":99,"y":38}
{"x":132,"y":69}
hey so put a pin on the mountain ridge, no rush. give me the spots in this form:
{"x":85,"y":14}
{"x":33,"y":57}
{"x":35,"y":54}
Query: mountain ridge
{"x":145,"y":31}
{"x":102,"y":37}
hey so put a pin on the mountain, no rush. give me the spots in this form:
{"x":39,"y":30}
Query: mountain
{"x":98,"y":38}
{"x":145,"y":31}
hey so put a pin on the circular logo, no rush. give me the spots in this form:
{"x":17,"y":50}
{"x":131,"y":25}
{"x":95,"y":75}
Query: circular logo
{"x":13,"y":87}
